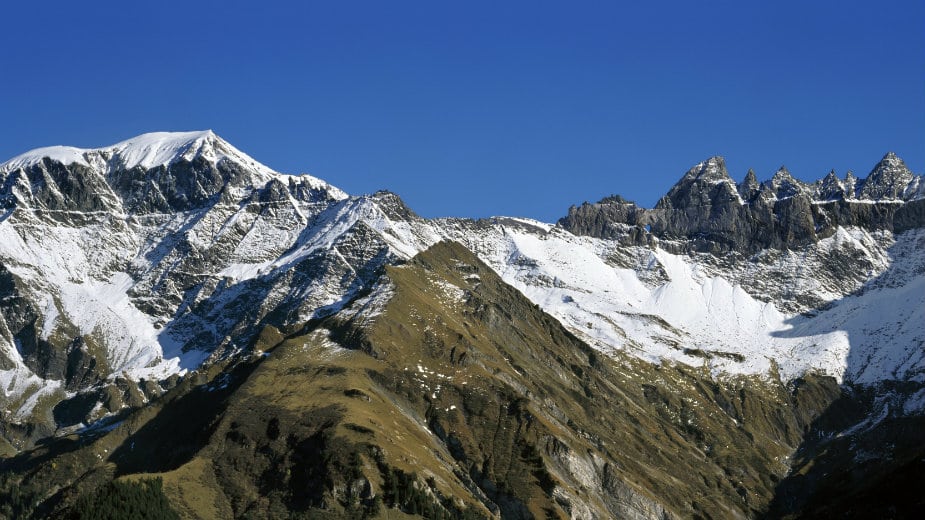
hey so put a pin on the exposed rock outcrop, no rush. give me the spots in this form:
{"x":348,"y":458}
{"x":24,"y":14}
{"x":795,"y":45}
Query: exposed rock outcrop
{"x":707,"y":212}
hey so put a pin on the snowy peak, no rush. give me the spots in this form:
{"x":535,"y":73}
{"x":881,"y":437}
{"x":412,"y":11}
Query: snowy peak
{"x":62,"y":154}
{"x":158,"y":172}
{"x":892,"y":160}
{"x":146,"y":151}
{"x":164,"y":251}
{"x":165,"y":148}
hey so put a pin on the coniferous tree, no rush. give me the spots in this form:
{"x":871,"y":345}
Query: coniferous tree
{"x":142,"y":500}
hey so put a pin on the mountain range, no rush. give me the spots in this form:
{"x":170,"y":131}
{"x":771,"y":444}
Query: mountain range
{"x":264,"y":345}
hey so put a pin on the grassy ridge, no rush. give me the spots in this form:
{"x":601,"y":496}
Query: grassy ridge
{"x":453,"y":397}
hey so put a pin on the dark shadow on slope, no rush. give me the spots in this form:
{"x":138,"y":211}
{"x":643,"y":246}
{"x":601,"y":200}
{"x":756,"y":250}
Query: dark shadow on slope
{"x":850,"y":466}
{"x":864,"y":456}
{"x":182,"y":427}
{"x":176,"y":240}
{"x":880,"y":319}
{"x":183,"y":424}
{"x":50,"y":448}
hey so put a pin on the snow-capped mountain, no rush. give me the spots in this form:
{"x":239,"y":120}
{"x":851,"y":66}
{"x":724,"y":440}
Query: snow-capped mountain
{"x":109,"y":254}
{"x":146,"y":258}
{"x":125,"y":270}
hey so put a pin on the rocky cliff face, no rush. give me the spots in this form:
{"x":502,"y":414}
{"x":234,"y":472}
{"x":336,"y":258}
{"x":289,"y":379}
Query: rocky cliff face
{"x":169,"y":294}
{"x":706,"y":211}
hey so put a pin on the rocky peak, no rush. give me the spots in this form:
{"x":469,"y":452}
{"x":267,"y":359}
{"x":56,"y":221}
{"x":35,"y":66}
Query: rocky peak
{"x":851,"y":185}
{"x":616,"y":199}
{"x":717,"y":216}
{"x":48,"y":184}
{"x":888,"y":180}
{"x":706,"y":184}
{"x":393,"y":206}
{"x":830,"y":188}
{"x":613,"y":217}
{"x":712,"y":170}
{"x":749,"y":188}
{"x":783,"y":185}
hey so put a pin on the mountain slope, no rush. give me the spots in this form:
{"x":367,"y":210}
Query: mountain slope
{"x":445,"y":372}
{"x":695,"y":359}
{"x":727,"y":313}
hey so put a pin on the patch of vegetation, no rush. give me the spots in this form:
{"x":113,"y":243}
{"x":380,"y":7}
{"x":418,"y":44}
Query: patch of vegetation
{"x":117,"y":500}
{"x":405,"y":492}
{"x":16,"y":500}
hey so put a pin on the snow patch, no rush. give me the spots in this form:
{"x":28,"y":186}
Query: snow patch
{"x":63,"y":154}
{"x":704,"y":319}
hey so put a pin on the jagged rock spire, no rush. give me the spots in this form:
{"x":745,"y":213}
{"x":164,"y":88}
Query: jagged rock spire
{"x":708,"y":183}
{"x":783,"y":185}
{"x":830,"y":188}
{"x":749,"y":188}
{"x":888,"y":180}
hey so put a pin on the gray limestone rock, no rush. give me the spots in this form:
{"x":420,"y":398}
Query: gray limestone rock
{"x":706,"y":212}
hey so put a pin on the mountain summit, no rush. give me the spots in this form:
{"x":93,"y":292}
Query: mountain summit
{"x":706,"y":184}
{"x":158,"y":172}
{"x":889,"y":180}
{"x":145,"y":151}
{"x":707,"y":211}
{"x":266,"y":345}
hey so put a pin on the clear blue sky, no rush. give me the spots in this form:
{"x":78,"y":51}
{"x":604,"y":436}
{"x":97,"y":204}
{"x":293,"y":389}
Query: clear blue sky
{"x":479,"y":108}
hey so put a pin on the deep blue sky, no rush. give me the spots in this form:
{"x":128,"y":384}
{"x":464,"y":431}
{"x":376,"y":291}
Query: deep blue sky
{"x":479,"y":108}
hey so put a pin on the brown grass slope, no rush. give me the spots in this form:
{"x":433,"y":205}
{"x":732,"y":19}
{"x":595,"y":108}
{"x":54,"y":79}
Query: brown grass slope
{"x":455,"y":396}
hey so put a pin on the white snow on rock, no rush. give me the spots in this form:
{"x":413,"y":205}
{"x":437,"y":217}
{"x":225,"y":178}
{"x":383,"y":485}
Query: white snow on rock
{"x":63,"y":154}
{"x":95,"y":274}
{"x":164,"y":148}
{"x":701,"y":319}
{"x":157,"y":149}
{"x":146,"y":150}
